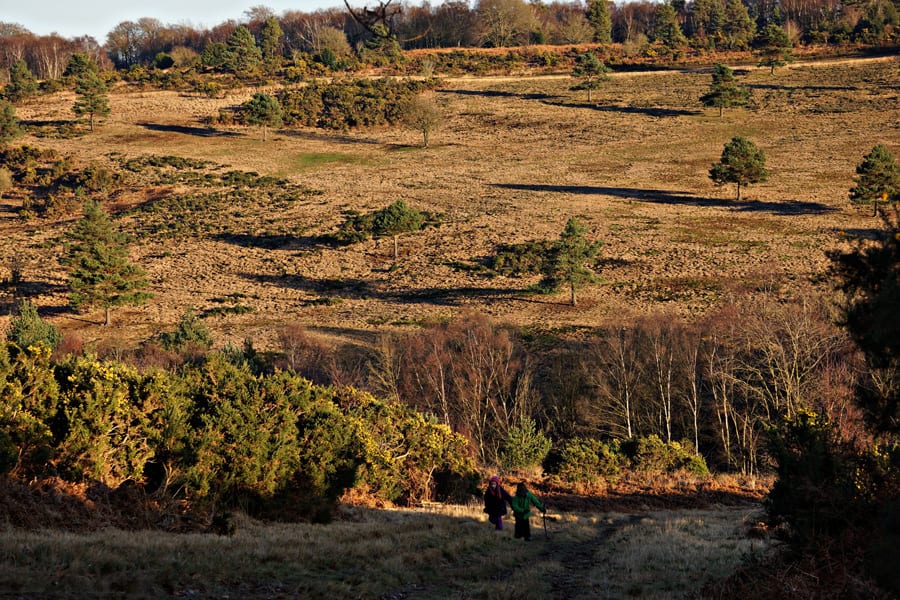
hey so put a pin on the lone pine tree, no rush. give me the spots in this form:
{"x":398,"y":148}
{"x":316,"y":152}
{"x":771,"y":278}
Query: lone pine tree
{"x":9,"y":123}
{"x":741,"y":163}
{"x":92,"y":99}
{"x":724,"y":92}
{"x":569,"y":259}
{"x":264,"y":110}
{"x":591,"y":71}
{"x":878,"y":178}
{"x":773,"y":46}
{"x":101,"y":272}
{"x":397,"y":219}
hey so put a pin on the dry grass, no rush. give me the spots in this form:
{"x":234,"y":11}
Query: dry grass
{"x":450,"y":553}
{"x":514,"y":160}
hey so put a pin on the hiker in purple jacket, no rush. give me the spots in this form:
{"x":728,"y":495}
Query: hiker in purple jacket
{"x":495,"y":499}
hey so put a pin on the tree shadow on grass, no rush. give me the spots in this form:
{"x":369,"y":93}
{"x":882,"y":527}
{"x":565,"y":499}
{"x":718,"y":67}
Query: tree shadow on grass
{"x":556,"y":100}
{"x":333,"y":137}
{"x":483,"y":93}
{"x":870,"y":234}
{"x":350,"y":287}
{"x":47,"y":122}
{"x":186,"y":130}
{"x":285,"y":241}
{"x":358,"y":288}
{"x":541,"y":96}
{"x":650,"y":111}
{"x":805,"y":88}
{"x":786,"y":207}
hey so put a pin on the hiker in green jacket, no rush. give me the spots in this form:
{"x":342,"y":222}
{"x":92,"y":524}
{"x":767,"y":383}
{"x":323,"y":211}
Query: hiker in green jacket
{"x":521,"y":507}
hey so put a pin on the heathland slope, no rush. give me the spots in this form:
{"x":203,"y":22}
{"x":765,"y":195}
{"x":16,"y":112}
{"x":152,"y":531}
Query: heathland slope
{"x":514,"y":159}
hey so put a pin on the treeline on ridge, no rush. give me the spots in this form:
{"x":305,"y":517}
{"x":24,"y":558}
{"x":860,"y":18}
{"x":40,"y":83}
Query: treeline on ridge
{"x":296,"y":43}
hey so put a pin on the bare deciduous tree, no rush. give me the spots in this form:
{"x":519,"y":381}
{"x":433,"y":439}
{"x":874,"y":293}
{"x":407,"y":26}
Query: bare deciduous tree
{"x":424,"y":115}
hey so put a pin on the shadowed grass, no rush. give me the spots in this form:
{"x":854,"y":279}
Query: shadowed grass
{"x":452,"y":553}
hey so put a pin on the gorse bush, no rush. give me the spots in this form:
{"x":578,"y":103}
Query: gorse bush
{"x":104,"y":431}
{"x":345,"y":104}
{"x":588,"y":461}
{"x":29,"y":405}
{"x":651,"y":454}
{"x":392,"y":220}
{"x":818,"y":492}
{"x":517,"y":260}
{"x":218,"y":435}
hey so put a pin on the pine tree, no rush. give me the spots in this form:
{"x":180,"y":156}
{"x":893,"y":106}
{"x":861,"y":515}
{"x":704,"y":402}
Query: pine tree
{"x":706,"y":19}
{"x":666,"y":28}
{"x":591,"y":71}
{"x":22,"y":83}
{"x":101,"y":273}
{"x":264,"y":110}
{"x":738,"y":28}
{"x":599,"y":18}
{"x":724,"y":92}
{"x":569,"y":258}
{"x":741,"y":163}
{"x":243,"y":54}
{"x":9,"y":123}
{"x":214,"y":55}
{"x":773,"y":47}
{"x":79,"y":64}
{"x":397,"y":219}
{"x":878,"y":178}
{"x":270,"y":42}
{"x":92,"y":99}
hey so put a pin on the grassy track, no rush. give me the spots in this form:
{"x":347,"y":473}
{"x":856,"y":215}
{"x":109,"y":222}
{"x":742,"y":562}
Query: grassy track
{"x":452,"y":553}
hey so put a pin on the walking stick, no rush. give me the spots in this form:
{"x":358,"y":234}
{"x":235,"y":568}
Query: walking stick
{"x":544,"y":519}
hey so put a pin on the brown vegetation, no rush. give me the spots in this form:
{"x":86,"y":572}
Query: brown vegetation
{"x":516,"y":158}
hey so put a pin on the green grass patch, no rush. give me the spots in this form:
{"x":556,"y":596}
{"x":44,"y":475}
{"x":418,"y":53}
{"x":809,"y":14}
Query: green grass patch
{"x":311,"y":160}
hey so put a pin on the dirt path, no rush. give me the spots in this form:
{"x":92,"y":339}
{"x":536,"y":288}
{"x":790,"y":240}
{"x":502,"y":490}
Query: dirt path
{"x":578,"y":557}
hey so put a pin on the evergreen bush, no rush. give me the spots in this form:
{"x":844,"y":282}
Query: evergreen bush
{"x":588,"y":461}
{"x":652,"y":455}
{"x":27,"y":329}
{"x":525,"y":447}
{"x":190,"y":332}
{"x":815,"y":493}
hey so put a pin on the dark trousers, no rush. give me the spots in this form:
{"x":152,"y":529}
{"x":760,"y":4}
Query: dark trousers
{"x":523,"y":529}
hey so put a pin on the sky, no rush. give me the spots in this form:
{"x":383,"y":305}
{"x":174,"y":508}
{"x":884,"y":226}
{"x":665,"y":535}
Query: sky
{"x":73,"y":18}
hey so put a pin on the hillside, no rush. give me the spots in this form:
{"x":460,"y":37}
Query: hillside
{"x":515,"y":158}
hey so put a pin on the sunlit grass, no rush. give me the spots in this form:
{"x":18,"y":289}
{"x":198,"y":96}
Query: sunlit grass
{"x":310,"y":160}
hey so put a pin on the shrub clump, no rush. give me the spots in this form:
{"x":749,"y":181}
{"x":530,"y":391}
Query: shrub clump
{"x":651,"y":454}
{"x":588,"y":461}
{"x":525,"y":447}
{"x":27,"y":329}
{"x":190,"y":332}
{"x":216,"y":434}
{"x":518,"y":260}
{"x":349,"y":103}
{"x":396,"y":218}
